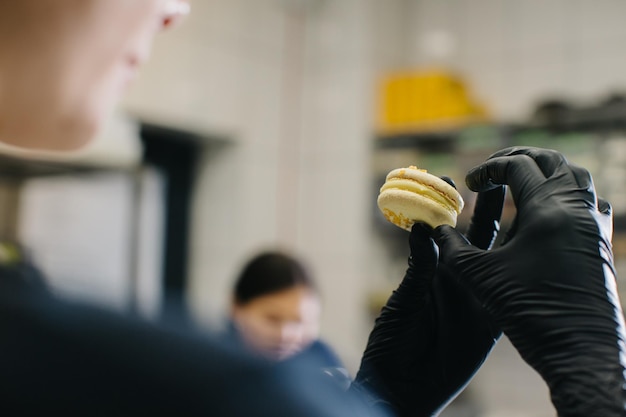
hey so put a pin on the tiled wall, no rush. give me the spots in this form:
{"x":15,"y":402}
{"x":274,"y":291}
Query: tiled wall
{"x":514,"y":53}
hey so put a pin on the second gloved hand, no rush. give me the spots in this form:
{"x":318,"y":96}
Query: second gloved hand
{"x":432,"y":335}
{"x":551,"y":286}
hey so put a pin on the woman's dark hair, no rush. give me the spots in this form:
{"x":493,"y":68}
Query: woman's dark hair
{"x":270,"y":272}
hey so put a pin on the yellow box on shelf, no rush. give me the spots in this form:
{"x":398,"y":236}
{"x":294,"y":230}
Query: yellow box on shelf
{"x":425,"y":99}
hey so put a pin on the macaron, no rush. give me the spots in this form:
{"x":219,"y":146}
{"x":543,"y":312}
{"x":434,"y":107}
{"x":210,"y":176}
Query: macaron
{"x":411,"y":195}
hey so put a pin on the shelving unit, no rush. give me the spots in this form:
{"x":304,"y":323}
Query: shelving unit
{"x":171,"y":151}
{"x":596,"y":142}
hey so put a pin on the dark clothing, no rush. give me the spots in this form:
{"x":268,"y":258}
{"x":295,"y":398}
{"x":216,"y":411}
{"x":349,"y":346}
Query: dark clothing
{"x":324,"y":351}
{"x":330,"y":365}
{"x":64,"y":357}
{"x":333,"y":367}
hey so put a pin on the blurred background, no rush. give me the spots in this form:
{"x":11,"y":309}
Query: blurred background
{"x":263,"y":123}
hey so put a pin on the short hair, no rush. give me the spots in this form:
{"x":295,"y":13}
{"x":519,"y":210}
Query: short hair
{"x":270,"y":272}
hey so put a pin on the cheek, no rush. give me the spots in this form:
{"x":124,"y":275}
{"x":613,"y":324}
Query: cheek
{"x":52,"y":110}
{"x":83,"y":108}
{"x":97,"y":79}
{"x":67,"y":101}
{"x":101,"y":90}
{"x":257,"y":329}
{"x":66,"y":91}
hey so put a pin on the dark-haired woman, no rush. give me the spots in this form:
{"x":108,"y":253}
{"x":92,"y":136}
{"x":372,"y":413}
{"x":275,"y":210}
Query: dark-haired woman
{"x":275,"y":311}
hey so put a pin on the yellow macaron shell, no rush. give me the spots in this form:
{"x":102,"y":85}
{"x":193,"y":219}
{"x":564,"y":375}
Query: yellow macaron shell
{"x":410,"y":195}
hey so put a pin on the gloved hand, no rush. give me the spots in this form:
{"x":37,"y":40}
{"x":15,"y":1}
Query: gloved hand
{"x":551,"y":285}
{"x":432,"y":335}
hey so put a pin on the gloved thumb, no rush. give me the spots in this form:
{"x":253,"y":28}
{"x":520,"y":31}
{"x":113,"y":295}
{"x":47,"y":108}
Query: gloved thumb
{"x":605,"y":218}
{"x":422,"y":267}
{"x":450,"y":243}
{"x":473,"y":267}
{"x":423,"y":250}
{"x":458,"y":253}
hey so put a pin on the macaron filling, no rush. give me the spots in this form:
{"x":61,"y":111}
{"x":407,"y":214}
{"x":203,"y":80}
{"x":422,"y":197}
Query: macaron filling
{"x":414,"y":186}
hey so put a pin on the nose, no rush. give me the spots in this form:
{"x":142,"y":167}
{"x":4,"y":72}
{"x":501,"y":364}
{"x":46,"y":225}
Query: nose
{"x":174,"y":11}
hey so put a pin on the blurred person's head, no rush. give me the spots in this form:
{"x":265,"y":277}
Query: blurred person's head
{"x":275,"y":305}
{"x":65,"y":63}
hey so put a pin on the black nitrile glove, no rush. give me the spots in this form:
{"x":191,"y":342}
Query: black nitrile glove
{"x":432,"y":335}
{"x":551,"y":285}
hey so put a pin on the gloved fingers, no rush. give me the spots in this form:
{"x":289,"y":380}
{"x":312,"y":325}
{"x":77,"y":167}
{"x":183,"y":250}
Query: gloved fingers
{"x":485,"y":223}
{"x":472,"y":266}
{"x":605,"y":211}
{"x":553,"y":163}
{"x":448,"y":180}
{"x":423,"y":249}
{"x":455,"y":251}
{"x":604,"y":207}
{"x":449,"y":241}
{"x":520,"y":172}
{"x":457,"y":304}
{"x":605,"y":219}
{"x":548,"y":160}
{"x":411,"y":293}
{"x":511,"y":231}
{"x":585,"y":182}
